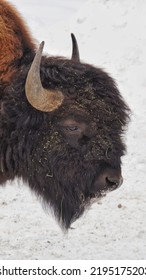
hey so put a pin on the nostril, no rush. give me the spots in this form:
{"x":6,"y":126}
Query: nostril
{"x":114,"y":181}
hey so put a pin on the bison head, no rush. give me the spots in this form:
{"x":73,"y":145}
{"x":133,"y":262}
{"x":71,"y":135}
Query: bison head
{"x":64,"y":122}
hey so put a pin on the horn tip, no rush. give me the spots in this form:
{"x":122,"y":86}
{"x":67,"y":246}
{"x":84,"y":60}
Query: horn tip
{"x":73,"y":36}
{"x":75,"y":50}
{"x":42,"y":45}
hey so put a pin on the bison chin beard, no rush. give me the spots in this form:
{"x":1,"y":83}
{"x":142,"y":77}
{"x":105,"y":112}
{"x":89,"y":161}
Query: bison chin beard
{"x":67,"y":208}
{"x":69,"y":205}
{"x":69,"y":191}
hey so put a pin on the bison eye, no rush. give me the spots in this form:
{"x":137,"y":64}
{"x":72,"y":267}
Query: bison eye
{"x":72,"y":128}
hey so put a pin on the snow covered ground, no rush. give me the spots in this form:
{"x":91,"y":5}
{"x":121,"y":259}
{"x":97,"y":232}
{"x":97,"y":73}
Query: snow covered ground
{"x":111,"y":34}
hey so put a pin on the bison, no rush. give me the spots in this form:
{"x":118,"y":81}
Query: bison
{"x":61,"y":122}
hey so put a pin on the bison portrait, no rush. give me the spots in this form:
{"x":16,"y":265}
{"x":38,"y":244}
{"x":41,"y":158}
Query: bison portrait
{"x":61,"y":122}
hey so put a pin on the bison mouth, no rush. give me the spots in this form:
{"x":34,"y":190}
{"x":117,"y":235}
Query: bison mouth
{"x":101,"y":186}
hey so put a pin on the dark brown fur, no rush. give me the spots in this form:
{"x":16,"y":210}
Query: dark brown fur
{"x":60,"y":165}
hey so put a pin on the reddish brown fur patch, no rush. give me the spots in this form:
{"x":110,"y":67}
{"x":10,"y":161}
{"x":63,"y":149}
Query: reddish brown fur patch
{"x":14,"y":39}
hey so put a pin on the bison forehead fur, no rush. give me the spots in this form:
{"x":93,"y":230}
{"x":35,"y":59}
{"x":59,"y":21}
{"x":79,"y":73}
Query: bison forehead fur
{"x":64,"y":154}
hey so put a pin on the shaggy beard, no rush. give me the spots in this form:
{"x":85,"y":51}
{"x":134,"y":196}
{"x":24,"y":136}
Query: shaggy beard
{"x":69,"y":200}
{"x":68,"y":209}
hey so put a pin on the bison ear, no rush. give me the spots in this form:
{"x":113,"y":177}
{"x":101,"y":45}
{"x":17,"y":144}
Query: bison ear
{"x":75,"y":50}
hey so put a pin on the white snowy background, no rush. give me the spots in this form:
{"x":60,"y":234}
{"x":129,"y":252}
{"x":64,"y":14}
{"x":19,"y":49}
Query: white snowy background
{"x":111,"y":34}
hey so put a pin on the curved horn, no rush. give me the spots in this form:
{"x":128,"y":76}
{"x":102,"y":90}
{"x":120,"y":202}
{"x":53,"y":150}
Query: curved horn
{"x":75,"y":49}
{"x":41,"y":99}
